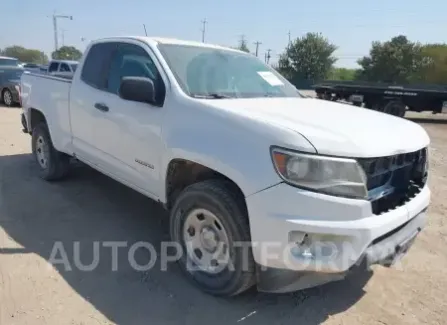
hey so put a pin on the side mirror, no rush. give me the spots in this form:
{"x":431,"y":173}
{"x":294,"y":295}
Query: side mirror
{"x":137,"y":89}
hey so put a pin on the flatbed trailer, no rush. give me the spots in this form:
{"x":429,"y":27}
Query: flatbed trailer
{"x":388,"y":98}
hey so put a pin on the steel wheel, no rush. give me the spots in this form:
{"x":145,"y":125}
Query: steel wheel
{"x":7,"y":98}
{"x":206,"y":241}
{"x":42,"y":152}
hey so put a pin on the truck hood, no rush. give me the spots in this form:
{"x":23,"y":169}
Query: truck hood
{"x":333,"y":128}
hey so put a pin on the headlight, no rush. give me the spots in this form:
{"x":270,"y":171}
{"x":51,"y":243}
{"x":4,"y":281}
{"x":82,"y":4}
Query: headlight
{"x":329,"y":175}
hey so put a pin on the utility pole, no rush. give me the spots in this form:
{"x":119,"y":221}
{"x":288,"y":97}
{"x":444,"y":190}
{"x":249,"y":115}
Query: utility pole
{"x":290,"y":40}
{"x":63,"y":37}
{"x":145,"y":32}
{"x":55,"y":18}
{"x":204,"y":22}
{"x":267,"y":56}
{"x":257,"y":47}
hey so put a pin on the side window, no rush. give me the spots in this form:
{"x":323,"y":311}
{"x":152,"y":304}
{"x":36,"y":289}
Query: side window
{"x":53,"y":67}
{"x":94,"y":68}
{"x":131,"y":60}
{"x":65,"y":67}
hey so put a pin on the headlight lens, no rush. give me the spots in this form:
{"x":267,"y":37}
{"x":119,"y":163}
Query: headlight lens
{"x":329,"y":175}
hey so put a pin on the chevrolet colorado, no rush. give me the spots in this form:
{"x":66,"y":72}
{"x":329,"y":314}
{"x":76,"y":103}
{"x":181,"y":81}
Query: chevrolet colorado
{"x":263,"y":186}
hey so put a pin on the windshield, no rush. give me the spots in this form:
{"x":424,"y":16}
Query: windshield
{"x":9,"y":62}
{"x":73,"y":66}
{"x":206,"y":72}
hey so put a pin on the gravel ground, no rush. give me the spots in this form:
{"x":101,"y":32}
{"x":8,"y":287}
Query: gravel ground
{"x":89,"y":207}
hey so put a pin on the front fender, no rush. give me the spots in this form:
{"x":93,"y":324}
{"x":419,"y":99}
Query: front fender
{"x":234,"y":146}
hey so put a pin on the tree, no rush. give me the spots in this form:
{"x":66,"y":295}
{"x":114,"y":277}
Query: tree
{"x":343,"y":74}
{"x":25,"y":55}
{"x":394,"y":61}
{"x":307,"y":58}
{"x":243,"y":46}
{"x":434,"y":68}
{"x":67,"y":53}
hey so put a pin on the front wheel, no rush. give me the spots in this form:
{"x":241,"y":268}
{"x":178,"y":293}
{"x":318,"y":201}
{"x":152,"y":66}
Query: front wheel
{"x":211,"y":225}
{"x":52,"y":164}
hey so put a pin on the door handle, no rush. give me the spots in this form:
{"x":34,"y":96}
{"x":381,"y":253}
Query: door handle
{"x":102,"y":107}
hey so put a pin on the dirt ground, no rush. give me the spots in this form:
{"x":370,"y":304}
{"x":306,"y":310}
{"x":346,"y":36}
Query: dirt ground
{"x":89,"y":207}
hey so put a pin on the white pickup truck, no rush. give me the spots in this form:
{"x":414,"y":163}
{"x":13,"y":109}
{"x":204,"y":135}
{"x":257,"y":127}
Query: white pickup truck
{"x":264,"y":186}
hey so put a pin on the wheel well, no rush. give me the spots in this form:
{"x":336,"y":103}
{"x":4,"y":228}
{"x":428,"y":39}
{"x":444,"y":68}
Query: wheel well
{"x":36,"y":117}
{"x":182,"y":173}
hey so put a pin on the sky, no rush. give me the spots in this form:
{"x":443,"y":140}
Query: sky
{"x":351,"y":25}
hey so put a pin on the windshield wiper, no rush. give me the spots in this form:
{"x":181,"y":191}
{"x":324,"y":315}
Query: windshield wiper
{"x":211,"y":96}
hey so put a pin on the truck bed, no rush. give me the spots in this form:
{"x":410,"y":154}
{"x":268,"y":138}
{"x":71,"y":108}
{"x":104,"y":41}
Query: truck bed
{"x":49,"y":94}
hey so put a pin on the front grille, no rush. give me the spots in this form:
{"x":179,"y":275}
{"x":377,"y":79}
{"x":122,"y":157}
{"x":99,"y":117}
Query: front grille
{"x":394,"y":180}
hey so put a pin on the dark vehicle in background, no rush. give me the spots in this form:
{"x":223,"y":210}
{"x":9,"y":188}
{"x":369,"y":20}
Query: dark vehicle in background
{"x":32,"y":67}
{"x":10,"y":73}
{"x":62,"y":68}
{"x":43,"y":69}
{"x":388,"y":98}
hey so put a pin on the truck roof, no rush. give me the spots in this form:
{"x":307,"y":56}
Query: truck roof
{"x":163,"y":40}
{"x":7,"y":57}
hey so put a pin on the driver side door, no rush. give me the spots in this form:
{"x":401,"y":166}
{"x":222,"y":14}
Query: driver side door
{"x":129,"y":132}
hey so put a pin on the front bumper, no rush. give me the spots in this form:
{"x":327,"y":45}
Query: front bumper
{"x":340,"y":234}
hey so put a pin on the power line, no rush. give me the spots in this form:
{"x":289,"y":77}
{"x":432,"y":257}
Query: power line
{"x":268,"y":56}
{"x":55,"y":18}
{"x":145,"y":32}
{"x":63,"y":37}
{"x":257,"y":43}
{"x":242,"y":41}
{"x":204,"y":22}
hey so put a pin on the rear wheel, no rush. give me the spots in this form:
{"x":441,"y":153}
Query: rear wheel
{"x":211,"y":225}
{"x":52,"y":164}
{"x":395,"y":108}
{"x":7,"y":98}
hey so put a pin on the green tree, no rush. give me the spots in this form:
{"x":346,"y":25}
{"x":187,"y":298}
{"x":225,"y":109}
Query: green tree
{"x":25,"y":55}
{"x":343,"y":74}
{"x":307,"y":58}
{"x":394,"y":61}
{"x":243,"y":46}
{"x":67,"y":53}
{"x":434,"y":68}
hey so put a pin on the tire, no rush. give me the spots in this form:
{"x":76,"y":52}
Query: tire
{"x":395,"y":108}
{"x":215,"y":197}
{"x":56,"y":164}
{"x":7,"y":98}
